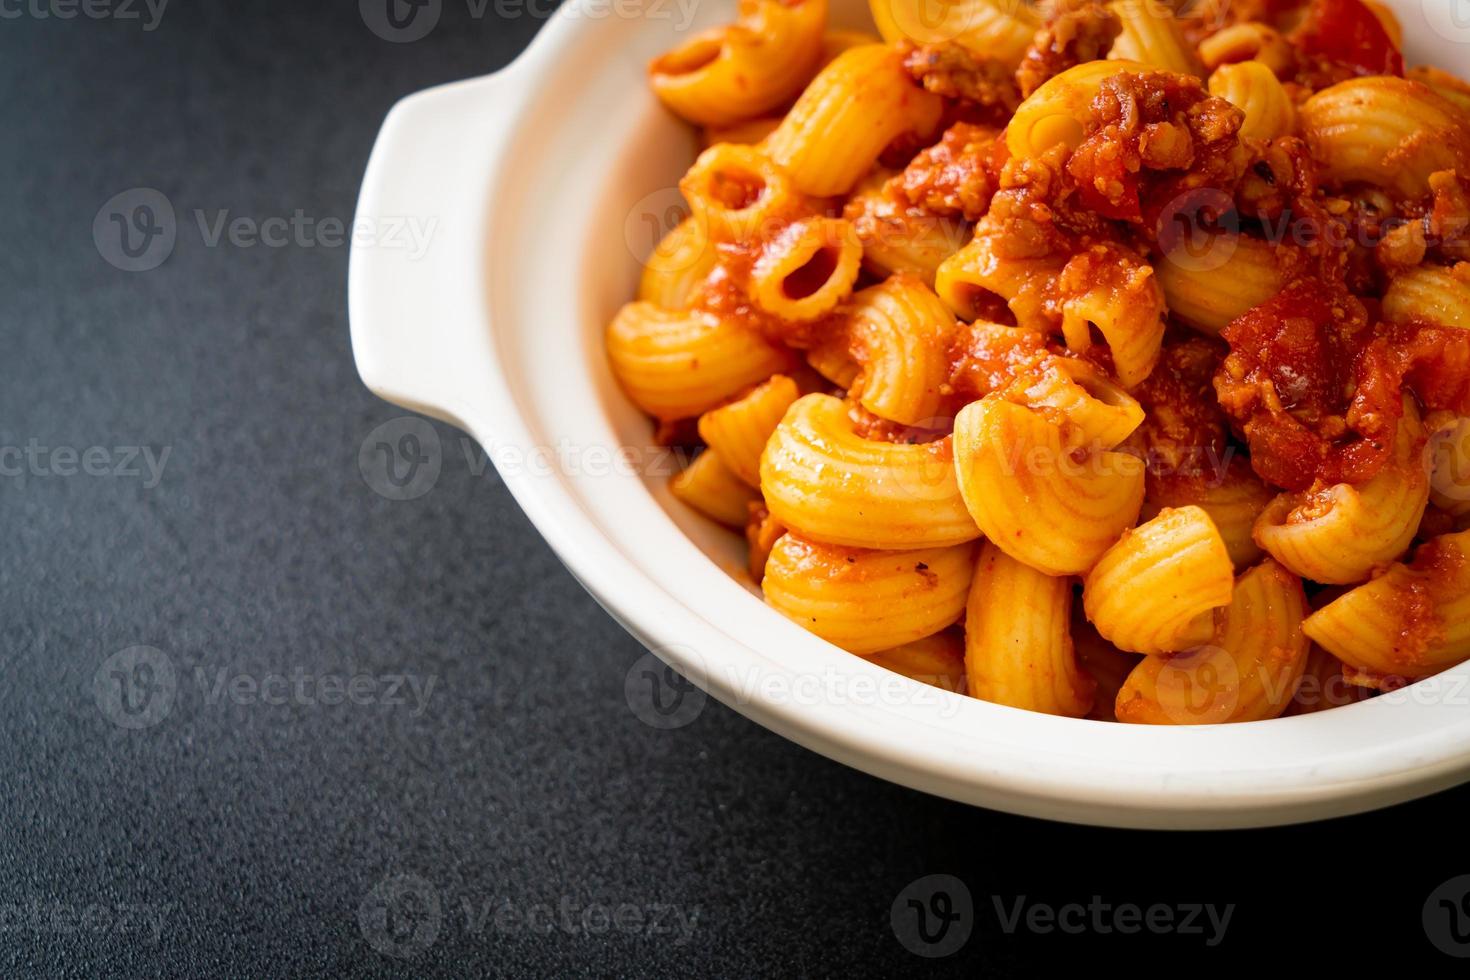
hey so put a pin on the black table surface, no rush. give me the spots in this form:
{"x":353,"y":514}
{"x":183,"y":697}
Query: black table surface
{"x":211,"y":765}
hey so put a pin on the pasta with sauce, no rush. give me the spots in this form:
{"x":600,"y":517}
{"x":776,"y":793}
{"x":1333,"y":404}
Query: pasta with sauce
{"x":1085,"y":357}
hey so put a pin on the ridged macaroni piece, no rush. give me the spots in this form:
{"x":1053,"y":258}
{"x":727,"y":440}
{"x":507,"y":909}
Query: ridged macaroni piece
{"x":806,"y":269}
{"x":1208,"y":286}
{"x":1433,"y":292}
{"x":1234,"y":503}
{"x":1108,"y":666}
{"x":746,"y":132}
{"x":831,"y":357}
{"x":900,"y":334}
{"x":976,"y":267}
{"x":1156,"y":590}
{"x":746,"y":68}
{"x":1449,"y":461}
{"x":1076,"y":394}
{"x":854,"y":108}
{"x":676,"y":365}
{"x":898,"y":240}
{"x":737,"y":193}
{"x":937,"y":660}
{"x":1410,"y":622}
{"x":1390,"y":132}
{"x":1338,"y":535}
{"x":999,"y":29}
{"x":1250,"y":41}
{"x":1033,"y":497}
{"x":1248,"y":673}
{"x":1058,"y":111}
{"x":679,"y":263}
{"x":867,"y":601}
{"x":1129,"y":313}
{"x":739,"y":431}
{"x":712,"y":488}
{"x":1018,"y":648}
{"x":824,"y":480}
{"x":1255,"y":90}
{"x":1152,"y":36}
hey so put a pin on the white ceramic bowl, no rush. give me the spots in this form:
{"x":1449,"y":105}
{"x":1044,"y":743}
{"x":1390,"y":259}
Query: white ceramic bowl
{"x":545,"y":182}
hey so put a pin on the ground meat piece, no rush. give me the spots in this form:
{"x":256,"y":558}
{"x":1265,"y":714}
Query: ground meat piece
{"x":1077,"y":34}
{"x":1184,"y":432}
{"x":953,"y":71}
{"x":1153,"y":137}
{"x":988,"y":358}
{"x":956,"y":176}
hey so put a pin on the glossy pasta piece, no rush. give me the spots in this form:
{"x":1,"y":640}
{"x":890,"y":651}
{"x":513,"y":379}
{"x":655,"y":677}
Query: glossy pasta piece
{"x":1126,"y":306}
{"x":739,"y":431}
{"x":866,"y":601}
{"x":1077,"y":395}
{"x":831,"y":357}
{"x":854,"y":108}
{"x":746,"y":132}
{"x":1018,"y":648}
{"x":713,"y":489}
{"x":1248,"y":41}
{"x":1058,"y":111}
{"x":1029,"y":494}
{"x":976,"y":270}
{"x":1449,"y":461}
{"x":900,"y":334}
{"x":677,"y":365}
{"x":1430,"y":292}
{"x":937,"y":660}
{"x":1156,"y":590}
{"x":1447,"y":86}
{"x":1249,"y":671}
{"x":743,"y":69}
{"x":1410,"y":622}
{"x":829,"y":483}
{"x":1222,"y":276}
{"x":990,"y":28}
{"x":1255,"y":90}
{"x":737,"y":193}
{"x":679,"y":263}
{"x":1386,"y":131}
{"x":806,"y":269}
{"x":1340,"y":534}
{"x":1152,"y":36}
{"x":1234,"y":503}
{"x":836,"y":42}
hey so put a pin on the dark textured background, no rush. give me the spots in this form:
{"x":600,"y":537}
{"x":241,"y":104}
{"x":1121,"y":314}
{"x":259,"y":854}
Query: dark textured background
{"x":260,"y":831}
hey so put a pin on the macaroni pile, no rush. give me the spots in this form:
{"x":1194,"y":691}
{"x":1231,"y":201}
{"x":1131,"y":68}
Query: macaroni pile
{"x":1105,"y":360}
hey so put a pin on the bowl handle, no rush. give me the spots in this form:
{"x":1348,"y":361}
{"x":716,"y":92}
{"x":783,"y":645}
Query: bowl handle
{"x":415,"y":282}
